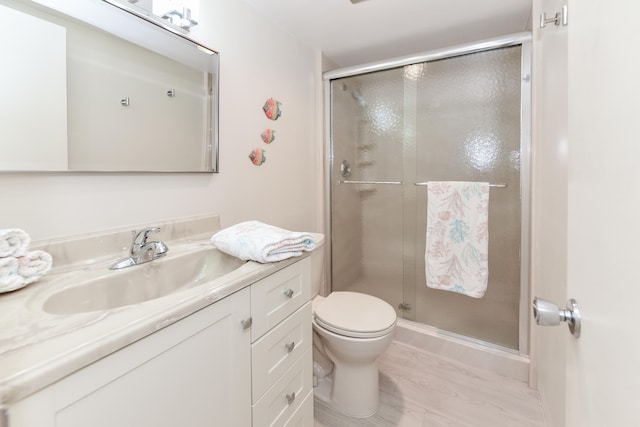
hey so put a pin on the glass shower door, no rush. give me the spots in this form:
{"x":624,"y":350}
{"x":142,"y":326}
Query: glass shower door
{"x":468,"y":129}
{"x":366,"y":185}
{"x":453,"y":119}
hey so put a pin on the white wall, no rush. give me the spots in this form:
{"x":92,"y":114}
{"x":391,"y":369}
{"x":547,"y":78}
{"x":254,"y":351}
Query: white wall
{"x":258,"y":61}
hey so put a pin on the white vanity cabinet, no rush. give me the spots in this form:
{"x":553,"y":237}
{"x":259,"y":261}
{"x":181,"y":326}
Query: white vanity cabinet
{"x":212,"y":368}
{"x":192,"y":373}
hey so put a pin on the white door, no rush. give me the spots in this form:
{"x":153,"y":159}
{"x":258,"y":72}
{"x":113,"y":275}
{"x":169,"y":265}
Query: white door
{"x":603,"y":264}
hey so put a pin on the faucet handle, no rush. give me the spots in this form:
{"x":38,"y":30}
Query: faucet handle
{"x":142,"y":235}
{"x":160,"y":250}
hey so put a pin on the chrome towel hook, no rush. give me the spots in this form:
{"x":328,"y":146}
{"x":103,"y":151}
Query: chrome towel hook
{"x":561,"y":17}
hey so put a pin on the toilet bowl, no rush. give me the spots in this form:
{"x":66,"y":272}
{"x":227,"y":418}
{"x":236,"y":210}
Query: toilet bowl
{"x":351,"y":330}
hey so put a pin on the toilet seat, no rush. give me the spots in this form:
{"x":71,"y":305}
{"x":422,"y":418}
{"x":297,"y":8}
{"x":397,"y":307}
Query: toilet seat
{"x":355,"y":315}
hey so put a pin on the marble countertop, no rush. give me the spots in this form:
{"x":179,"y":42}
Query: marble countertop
{"x":38,"y":348}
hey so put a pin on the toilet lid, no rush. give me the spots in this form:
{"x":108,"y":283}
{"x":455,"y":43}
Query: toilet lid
{"x":355,"y":314}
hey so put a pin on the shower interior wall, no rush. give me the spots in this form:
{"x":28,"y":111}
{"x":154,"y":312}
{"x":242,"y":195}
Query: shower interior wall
{"x":346,"y":227}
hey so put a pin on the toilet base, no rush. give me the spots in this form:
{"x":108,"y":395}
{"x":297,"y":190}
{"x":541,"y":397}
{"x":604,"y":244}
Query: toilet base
{"x":362,"y":402}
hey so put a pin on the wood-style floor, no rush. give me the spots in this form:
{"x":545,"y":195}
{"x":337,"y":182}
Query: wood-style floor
{"x":421,"y":389}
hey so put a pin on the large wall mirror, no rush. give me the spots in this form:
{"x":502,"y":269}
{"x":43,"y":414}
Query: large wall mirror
{"x":91,"y":86}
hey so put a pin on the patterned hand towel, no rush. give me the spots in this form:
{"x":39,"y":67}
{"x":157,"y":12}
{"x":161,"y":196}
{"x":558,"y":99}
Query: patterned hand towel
{"x":457,"y":237}
{"x":253,"y":240}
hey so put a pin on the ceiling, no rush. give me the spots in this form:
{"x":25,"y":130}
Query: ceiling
{"x":373,"y":30}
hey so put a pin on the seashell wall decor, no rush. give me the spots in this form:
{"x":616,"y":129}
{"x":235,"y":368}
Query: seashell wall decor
{"x":268,"y":136}
{"x":257,"y":156}
{"x":272,"y":109}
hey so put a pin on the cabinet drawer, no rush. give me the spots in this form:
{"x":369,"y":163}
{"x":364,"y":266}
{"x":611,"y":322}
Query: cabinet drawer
{"x":282,"y":400}
{"x":303,"y":417}
{"x":277,"y":296}
{"x":274,"y":353}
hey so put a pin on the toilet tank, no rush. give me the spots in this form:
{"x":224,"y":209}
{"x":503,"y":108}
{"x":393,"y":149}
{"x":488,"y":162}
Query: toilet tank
{"x":317,"y":265}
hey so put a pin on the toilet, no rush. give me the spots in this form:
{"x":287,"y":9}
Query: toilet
{"x":350,"y":331}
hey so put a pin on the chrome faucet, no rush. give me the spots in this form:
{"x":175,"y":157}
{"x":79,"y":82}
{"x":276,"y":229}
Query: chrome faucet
{"x":142,"y":250}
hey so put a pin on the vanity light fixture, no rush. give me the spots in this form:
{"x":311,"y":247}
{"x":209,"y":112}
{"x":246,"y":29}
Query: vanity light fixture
{"x":181,"y":19}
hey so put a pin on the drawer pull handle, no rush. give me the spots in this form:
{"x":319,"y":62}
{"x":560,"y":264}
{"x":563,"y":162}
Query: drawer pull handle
{"x":291,"y":397}
{"x":246,"y":323}
{"x":290,"y":346}
{"x":289,"y":293}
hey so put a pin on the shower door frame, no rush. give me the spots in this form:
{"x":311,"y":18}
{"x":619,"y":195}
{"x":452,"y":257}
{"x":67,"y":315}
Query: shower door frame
{"x":522,"y":39}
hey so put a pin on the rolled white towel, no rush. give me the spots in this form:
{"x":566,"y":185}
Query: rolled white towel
{"x":253,"y":240}
{"x":8,"y":267}
{"x":13,"y":242}
{"x":11,"y":283}
{"x":9,"y":278}
{"x":34,"y":264}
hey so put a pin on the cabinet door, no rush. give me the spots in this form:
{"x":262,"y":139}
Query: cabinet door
{"x":193,"y":373}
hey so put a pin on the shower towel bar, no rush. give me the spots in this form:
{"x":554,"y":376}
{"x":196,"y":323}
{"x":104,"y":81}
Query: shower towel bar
{"x":372,"y":182}
{"x":424,"y":184}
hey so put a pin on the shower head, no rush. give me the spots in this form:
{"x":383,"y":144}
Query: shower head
{"x":358,"y":97}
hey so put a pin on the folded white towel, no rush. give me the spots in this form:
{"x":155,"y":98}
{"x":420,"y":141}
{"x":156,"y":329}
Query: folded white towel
{"x":35,"y":263}
{"x":13,"y":242}
{"x":457,"y":237}
{"x":253,"y":240}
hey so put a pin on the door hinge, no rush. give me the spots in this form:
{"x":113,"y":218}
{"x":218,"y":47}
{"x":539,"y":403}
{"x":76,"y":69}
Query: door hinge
{"x":404,"y":306}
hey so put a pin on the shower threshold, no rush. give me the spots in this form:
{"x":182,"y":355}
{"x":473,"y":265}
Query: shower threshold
{"x":501,"y":360}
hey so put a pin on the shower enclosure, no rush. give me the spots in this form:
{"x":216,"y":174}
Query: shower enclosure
{"x":451,"y":115}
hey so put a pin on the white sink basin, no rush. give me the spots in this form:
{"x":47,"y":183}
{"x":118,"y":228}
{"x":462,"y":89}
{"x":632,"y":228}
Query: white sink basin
{"x":111,"y":289}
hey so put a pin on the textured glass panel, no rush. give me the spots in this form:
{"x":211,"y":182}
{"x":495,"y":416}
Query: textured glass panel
{"x":367,"y":114}
{"x":468,"y":129}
